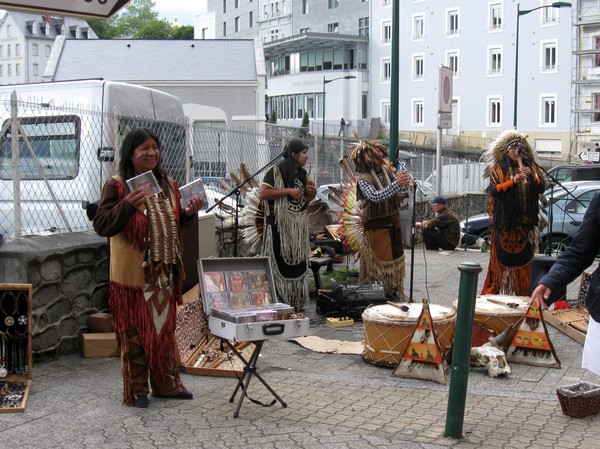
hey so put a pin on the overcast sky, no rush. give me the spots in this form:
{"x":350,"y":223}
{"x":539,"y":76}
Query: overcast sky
{"x":184,"y":10}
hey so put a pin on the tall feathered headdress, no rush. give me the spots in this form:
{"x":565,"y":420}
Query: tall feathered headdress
{"x":497,"y":149}
{"x":367,"y":154}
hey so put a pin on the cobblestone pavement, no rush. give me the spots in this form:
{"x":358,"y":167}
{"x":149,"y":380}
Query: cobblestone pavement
{"x":333,"y":401}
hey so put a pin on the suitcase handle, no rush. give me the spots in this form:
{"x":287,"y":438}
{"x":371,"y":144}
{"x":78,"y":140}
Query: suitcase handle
{"x":273,"y":328}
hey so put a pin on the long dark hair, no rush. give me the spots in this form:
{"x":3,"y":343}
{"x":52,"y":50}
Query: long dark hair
{"x":134,"y":139}
{"x":286,"y":165}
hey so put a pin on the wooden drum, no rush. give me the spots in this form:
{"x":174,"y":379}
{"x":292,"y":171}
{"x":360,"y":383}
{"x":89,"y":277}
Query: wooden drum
{"x":388,"y":331}
{"x":492,"y":317}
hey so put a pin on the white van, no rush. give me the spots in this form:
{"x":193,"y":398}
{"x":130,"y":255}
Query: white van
{"x":62,"y":143}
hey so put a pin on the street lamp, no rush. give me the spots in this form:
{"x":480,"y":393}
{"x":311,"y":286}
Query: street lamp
{"x":347,"y":77}
{"x":522,"y":12}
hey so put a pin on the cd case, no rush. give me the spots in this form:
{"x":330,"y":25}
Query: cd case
{"x":146,"y":181}
{"x":194,"y":189}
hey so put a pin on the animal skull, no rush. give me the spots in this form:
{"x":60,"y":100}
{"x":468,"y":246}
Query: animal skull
{"x":492,"y":357}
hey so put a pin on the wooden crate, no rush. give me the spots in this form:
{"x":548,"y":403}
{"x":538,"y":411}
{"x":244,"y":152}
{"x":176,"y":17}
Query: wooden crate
{"x":15,"y":346}
{"x":193,"y":339}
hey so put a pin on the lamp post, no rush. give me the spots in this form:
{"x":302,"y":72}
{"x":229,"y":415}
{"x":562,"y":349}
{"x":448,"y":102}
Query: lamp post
{"x":522,"y":12}
{"x":347,"y":77}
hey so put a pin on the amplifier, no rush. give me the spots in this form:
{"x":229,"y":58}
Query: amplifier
{"x":350,"y":300}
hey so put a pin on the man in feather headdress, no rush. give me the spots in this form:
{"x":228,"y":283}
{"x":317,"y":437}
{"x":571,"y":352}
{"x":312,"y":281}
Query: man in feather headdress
{"x":382,"y":254}
{"x":516,"y":182}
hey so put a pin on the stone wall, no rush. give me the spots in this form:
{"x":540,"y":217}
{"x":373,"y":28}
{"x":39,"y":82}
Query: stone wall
{"x":69,"y":278}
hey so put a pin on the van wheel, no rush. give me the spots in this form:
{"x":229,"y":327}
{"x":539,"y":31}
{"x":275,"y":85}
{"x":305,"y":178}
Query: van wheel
{"x":558,"y":245}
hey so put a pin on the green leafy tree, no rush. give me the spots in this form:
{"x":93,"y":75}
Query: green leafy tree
{"x":155,"y":29}
{"x":183,"y":32}
{"x":104,"y":29}
{"x":136,"y":15}
{"x":305,"y":121}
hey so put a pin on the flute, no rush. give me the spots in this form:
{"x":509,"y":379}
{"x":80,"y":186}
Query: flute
{"x":396,"y":171}
{"x":521,"y":166}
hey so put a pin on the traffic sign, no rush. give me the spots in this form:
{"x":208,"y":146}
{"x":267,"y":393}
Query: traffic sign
{"x":444,"y":120}
{"x":445,"y":89}
{"x":591,"y":156}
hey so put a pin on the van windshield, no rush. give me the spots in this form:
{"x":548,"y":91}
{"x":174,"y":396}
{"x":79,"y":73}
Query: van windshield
{"x":48,"y":148}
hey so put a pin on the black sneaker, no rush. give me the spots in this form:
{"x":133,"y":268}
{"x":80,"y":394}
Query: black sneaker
{"x":141,"y":401}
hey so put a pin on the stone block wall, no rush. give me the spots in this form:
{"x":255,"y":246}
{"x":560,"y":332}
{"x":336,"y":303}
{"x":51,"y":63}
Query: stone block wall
{"x":69,"y":278}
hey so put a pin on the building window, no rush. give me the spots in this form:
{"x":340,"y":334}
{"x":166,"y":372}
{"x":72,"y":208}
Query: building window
{"x":35,"y":70}
{"x":274,"y":34}
{"x":18,"y":69}
{"x":333,"y":3}
{"x":48,"y":50}
{"x":452,"y":23}
{"x":17,"y":50}
{"x":1,"y":70}
{"x":452,"y":61}
{"x":9,"y":71}
{"x":304,"y":30}
{"x":237,"y":24}
{"x":495,"y":16}
{"x":34,"y":50}
{"x":224,"y":29}
{"x":9,"y":50}
{"x":596,"y":98}
{"x":418,"y":27}
{"x":224,"y":6}
{"x":418,"y":67}
{"x":386,"y":69}
{"x":549,"y":56}
{"x":495,"y":61}
{"x":250,"y":20}
{"x":1,"y":51}
{"x":8,"y":30}
{"x":549,"y":15}
{"x":597,"y":47}
{"x":548,"y":110}
{"x":236,"y":3}
{"x":364,"y":105}
{"x":494,"y":109}
{"x":386,"y":32}
{"x":333,"y":27}
{"x":304,"y":6}
{"x":385,"y":112}
{"x":363,"y":26}
{"x":417,"y":113}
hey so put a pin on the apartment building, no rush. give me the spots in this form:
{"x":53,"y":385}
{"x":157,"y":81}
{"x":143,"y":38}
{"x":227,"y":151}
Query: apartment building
{"x":26,"y":42}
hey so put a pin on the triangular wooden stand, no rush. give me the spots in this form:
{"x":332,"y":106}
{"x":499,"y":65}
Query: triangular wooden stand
{"x":531,"y":344}
{"x":422,"y":358}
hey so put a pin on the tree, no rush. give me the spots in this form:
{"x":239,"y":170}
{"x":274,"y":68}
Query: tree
{"x":305,"y":121}
{"x":183,"y":32}
{"x":136,"y":15}
{"x":273,"y":116}
{"x":155,"y":29}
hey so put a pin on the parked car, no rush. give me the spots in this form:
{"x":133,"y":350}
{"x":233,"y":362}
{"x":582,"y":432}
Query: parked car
{"x":323,"y":195}
{"x":568,"y":207}
{"x":568,"y":173}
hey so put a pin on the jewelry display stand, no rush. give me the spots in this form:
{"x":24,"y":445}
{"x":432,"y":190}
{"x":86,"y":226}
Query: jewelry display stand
{"x":15,"y":346}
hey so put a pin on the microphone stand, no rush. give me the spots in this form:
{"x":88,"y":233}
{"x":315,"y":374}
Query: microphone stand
{"x":416,"y":187}
{"x":237,"y":193}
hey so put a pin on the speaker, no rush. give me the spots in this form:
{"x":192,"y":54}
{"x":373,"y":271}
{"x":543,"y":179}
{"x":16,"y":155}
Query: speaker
{"x":540,"y":267}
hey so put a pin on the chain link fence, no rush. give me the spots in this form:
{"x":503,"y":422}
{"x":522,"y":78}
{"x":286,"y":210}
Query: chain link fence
{"x":55,"y":160}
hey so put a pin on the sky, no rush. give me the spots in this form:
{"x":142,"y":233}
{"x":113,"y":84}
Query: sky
{"x":184,"y":10}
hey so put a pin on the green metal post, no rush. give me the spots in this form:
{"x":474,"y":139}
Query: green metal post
{"x":395,"y":81}
{"x":459,"y":374}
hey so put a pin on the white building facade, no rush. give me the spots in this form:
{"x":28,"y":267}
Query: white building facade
{"x":476,"y":39}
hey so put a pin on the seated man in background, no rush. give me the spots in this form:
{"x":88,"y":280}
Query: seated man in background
{"x":443,"y":231}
